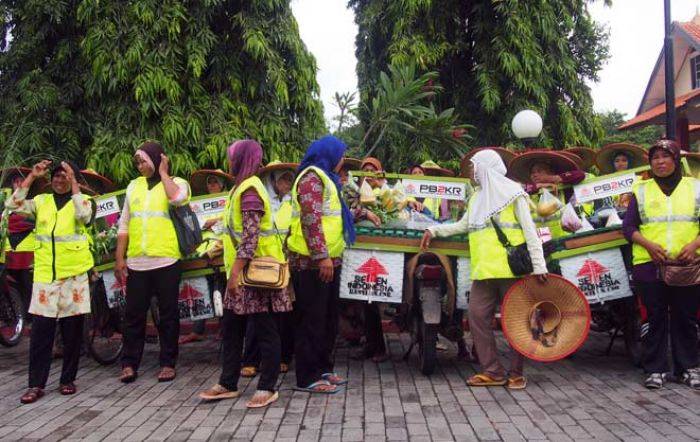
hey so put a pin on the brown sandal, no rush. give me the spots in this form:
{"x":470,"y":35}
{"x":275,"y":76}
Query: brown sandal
{"x":484,"y":380}
{"x":128,"y":375}
{"x":32,"y":395}
{"x":166,"y":374}
{"x":67,"y":389}
{"x":517,"y":383}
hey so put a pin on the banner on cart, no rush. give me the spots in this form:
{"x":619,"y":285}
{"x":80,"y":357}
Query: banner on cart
{"x":464,"y":283}
{"x":372,"y":276}
{"x":208,"y":208}
{"x":604,"y":187}
{"x":601,"y":276}
{"x":194,"y":301}
{"x":106,"y":206}
{"x":116,"y":292}
{"x":435,"y":189}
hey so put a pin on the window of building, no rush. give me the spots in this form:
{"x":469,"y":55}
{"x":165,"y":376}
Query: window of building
{"x":695,"y":71}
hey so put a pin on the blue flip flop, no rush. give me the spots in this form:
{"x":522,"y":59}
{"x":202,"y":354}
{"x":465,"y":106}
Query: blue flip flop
{"x":312,"y":388}
{"x":328,"y":376}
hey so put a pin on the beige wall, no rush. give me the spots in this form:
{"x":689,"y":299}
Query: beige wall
{"x":684,"y":83}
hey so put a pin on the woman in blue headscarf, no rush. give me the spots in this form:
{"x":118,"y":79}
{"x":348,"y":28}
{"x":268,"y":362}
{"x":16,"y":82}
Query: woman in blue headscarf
{"x":322,"y":226}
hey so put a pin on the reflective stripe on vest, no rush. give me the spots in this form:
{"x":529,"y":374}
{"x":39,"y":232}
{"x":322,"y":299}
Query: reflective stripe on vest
{"x":151,"y":231}
{"x":62,"y":243}
{"x":489,"y":259}
{"x":331,"y":220}
{"x":268,"y":242}
{"x":670,"y":221}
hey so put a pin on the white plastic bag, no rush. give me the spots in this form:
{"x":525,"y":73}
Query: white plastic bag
{"x":613,"y":219}
{"x":585,"y":225}
{"x":570,"y":220}
{"x":548,"y":204}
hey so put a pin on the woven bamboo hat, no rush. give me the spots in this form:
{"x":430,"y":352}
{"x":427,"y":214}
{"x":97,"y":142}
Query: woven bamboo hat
{"x":505,"y":154}
{"x":636,"y":155}
{"x":519,"y":167}
{"x":98,"y":183}
{"x":352,"y":163}
{"x":431,"y":168}
{"x":11,"y":173}
{"x":694,"y":162}
{"x":198,"y":180}
{"x":545,"y":322}
{"x":586,"y":154}
{"x":275,"y":165}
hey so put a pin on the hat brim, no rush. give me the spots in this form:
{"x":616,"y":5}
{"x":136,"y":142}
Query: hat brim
{"x":505,"y":154}
{"x":575,"y":317}
{"x":98,"y":183}
{"x":37,"y":186}
{"x":586,"y":154}
{"x":694,"y":162}
{"x":519,"y":167}
{"x":352,"y":163}
{"x":198,"y":180}
{"x":277,"y":166}
{"x":604,"y":159}
{"x":438,"y":171}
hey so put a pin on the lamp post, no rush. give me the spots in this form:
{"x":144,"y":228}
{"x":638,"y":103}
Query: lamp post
{"x":527,"y":126}
{"x":668,"y":72}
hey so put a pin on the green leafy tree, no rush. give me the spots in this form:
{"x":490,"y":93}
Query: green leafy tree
{"x":644,"y":136}
{"x":100,"y":76}
{"x":494,"y":58}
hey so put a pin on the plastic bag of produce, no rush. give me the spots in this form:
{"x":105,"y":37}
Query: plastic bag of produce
{"x":548,"y":204}
{"x":399,"y":194}
{"x":367,"y":196}
{"x":613,"y":219}
{"x":585,"y":225}
{"x":570,"y":220}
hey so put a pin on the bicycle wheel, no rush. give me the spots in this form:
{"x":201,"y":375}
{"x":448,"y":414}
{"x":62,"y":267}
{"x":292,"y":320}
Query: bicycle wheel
{"x":103,"y":327}
{"x":11,"y":316}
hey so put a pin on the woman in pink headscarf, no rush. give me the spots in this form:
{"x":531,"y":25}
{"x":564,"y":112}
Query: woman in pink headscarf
{"x":248,"y":202}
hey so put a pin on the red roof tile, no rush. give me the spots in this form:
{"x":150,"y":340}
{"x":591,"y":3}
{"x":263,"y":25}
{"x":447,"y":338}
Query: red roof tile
{"x":659,"y":110}
{"x":692,"y":29}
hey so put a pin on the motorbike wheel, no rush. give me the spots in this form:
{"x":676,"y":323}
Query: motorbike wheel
{"x":632,"y":332}
{"x":11,"y":317}
{"x":427,"y":346}
{"x":103,"y":342}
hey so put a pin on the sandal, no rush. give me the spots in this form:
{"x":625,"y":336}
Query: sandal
{"x":218,"y":392}
{"x":67,"y":389}
{"x":32,"y":395}
{"x":691,"y":378}
{"x":655,"y":381}
{"x":516,"y":383}
{"x":248,"y":372}
{"x":334,"y":378}
{"x":166,"y":374}
{"x":320,"y":387}
{"x":128,"y":375}
{"x":284,"y":367}
{"x":484,"y":380}
{"x":270,"y":397}
{"x":192,"y":337}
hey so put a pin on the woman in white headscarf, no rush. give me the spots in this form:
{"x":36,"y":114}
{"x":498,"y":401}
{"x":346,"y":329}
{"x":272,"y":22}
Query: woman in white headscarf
{"x":503,"y":200}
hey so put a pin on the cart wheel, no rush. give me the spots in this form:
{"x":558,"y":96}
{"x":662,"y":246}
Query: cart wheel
{"x":427,"y":346}
{"x":11,"y":317}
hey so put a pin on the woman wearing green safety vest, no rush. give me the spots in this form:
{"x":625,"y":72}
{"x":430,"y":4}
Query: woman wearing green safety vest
{"x":278,"y":178}
{"x":503,"y":200}
{"x":62,"y":258}
{"x":663,"y":223}
{"x":251,"y":234}
{"x":148,"y":259}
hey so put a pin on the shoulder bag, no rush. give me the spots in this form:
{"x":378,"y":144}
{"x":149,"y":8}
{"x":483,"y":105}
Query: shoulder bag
{"x":518,"y":256}
{"x":266,"y":272}
{"x":189,"y":234}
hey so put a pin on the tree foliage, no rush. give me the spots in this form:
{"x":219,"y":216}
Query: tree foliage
{"x":494,"y":58}
{"x":92,"y":78}
{"x":644,"y":136}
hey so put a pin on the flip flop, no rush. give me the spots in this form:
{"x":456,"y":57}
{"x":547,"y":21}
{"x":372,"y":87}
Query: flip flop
{"x":334,"y":379}
{"x":484,"y":380}
{"x":313,"y":388}
{"x":249,"y":372}
{"x":272,"y":398}
{"x":517,"y":383}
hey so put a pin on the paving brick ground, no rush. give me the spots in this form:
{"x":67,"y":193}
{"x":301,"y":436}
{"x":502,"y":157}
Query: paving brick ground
{"x":590,"y":396}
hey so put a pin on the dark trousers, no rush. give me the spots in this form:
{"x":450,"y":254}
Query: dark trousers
{"x":316,"y":324}
{"x":23,"y":283}
{"x":670,"y":310}
{"x":163,"y":283}
{"x":374,"y":334}
{"x":251,"y":351}
{"x":233,"y":329}
{"x":41,"y":348}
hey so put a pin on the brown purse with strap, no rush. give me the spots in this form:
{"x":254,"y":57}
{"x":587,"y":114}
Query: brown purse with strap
{"x":679,"y":274}
{"x":266,"y":272}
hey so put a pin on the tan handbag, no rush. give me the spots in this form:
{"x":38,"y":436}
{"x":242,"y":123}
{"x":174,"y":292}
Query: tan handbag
{"x":265,"y":272}
{"x":678,"y":274}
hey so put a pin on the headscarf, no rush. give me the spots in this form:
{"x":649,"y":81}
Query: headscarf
{"x":373,"y":162}
{"x":270,"y":181}
{"x":325,"y":154}
{"x":668,"y":184}
{"x":61,"y":199}
{"x":496,"y":192}
{"x":150,"y":152}
{"x":244,"y":157}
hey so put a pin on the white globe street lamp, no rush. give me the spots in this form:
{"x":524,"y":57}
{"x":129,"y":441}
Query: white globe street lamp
{"x":527,"y":126}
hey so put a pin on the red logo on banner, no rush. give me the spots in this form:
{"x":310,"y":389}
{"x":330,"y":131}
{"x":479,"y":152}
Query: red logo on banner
{"x":189,"y":293}
{"x":593,"y":270}
{"x":372,"y":268}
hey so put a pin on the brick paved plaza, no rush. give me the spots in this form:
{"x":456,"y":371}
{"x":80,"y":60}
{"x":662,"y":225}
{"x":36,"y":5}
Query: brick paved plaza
{"x":590,"y":396}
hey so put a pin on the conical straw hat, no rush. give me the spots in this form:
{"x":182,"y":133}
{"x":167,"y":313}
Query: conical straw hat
{"x":558,"y":307}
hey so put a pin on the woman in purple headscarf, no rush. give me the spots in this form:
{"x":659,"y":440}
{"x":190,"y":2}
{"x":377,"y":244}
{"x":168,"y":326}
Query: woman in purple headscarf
{"x":246,"y":209}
